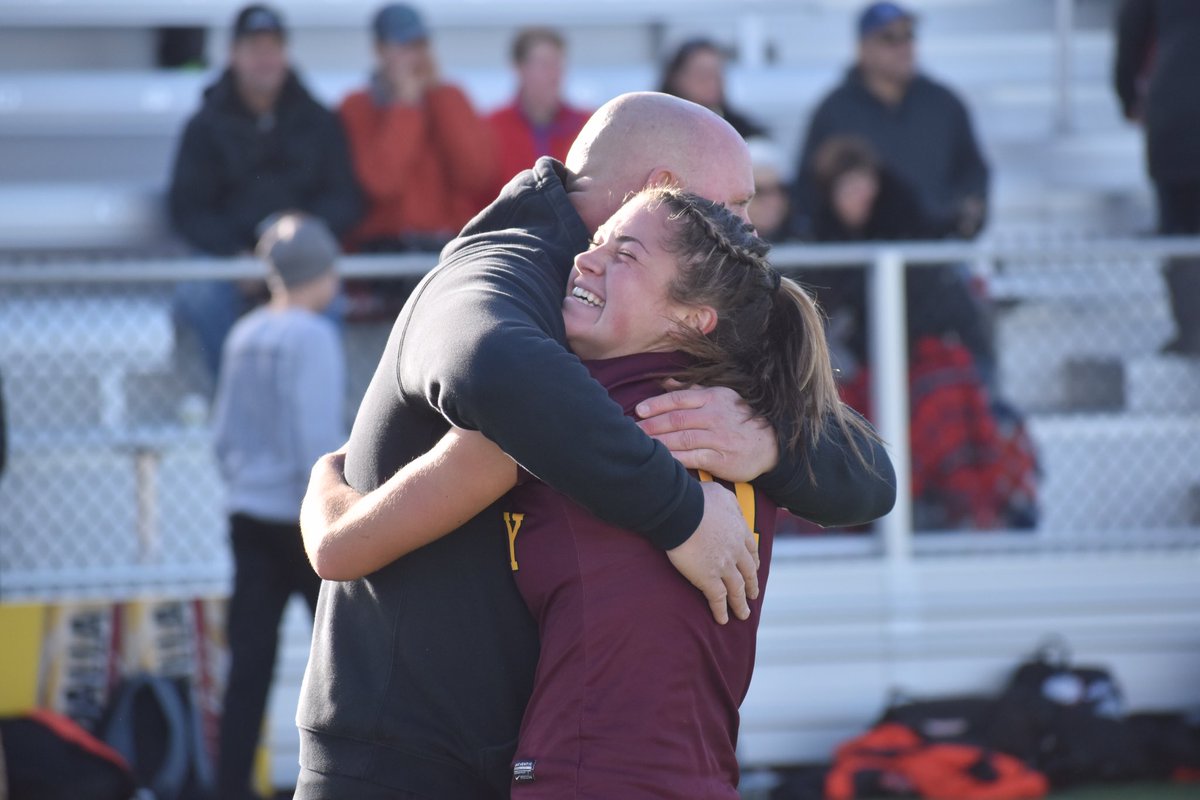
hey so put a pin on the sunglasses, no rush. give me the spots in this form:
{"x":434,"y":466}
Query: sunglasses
{"x":896,"y":37}
{"x":765,"y":189}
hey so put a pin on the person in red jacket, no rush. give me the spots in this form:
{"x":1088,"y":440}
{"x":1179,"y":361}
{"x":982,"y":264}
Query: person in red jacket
{"x":538,"y":122}
{"x":420,"y":150}
{"x":422,"y":155}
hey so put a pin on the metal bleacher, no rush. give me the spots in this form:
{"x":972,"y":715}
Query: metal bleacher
{"x":100,"y":142}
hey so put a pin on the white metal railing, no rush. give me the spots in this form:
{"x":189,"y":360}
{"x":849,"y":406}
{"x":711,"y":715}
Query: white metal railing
{"x":885,"y":264}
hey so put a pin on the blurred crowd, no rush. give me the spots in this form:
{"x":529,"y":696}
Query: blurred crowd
{"x":888,"y":154}
{"x":406,"y":160}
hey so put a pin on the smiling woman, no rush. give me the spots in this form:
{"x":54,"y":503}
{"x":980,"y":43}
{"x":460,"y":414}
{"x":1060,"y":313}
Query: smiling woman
{"x":672,"y":286}
{"x":618,"y":299}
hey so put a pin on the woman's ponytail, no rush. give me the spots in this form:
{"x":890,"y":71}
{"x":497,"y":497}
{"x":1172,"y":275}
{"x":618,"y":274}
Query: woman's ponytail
{"x":769,"y":342}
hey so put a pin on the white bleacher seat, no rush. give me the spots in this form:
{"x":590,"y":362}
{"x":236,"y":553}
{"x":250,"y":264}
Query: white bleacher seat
{"x":65,"y":216}
{"x":1083,"y":457}
{"x":1158,"y":384}
{"x":101,"y":339}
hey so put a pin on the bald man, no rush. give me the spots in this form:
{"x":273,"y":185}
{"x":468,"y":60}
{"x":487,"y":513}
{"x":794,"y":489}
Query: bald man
{"x":419,"y":673}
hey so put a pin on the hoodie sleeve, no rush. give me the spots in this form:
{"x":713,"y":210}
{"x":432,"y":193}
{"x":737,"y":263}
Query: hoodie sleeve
{"x":1135,"y":38}
{"x":842,"y":490}
{"x":483,"y":347}
{"x":340,"y":201}
{"x":195,"y":199}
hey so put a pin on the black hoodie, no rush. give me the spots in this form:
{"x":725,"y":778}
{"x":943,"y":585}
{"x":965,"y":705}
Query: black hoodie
{"x":419,"y":673}
{"x":234,"y":169}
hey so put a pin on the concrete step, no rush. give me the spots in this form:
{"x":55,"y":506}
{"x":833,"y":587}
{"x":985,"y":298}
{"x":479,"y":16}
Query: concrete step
{"x":77,"y":504}
{"x":66,"y":356}
{"x":1162,"y":385}
{"x":1046,"y":346}
{"x":98,"y":215}
{"x":1113,"y":472}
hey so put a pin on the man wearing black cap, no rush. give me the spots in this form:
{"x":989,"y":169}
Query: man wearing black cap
{"x":919,"y":128}
{"x":279,"y":407}
{"x":260,"y":144}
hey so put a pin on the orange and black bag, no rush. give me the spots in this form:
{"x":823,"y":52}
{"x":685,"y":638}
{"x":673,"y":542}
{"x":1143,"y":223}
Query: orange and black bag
{"x":893,"y":760}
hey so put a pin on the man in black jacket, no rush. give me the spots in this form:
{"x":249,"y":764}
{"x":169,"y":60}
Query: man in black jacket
{"x":1169,"y":107}
{"x":259,"y":145}
{"x":918,"y":127}
{"x":420,"y":672}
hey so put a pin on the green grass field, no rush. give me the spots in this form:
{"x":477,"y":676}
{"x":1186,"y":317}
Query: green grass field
{"x":1140,"y":791}
{"x":1133,"y":791}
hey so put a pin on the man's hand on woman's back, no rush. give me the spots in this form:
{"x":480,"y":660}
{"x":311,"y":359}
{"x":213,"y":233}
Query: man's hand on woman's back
{"x":713,"y":429}
{"x":720,"y":558}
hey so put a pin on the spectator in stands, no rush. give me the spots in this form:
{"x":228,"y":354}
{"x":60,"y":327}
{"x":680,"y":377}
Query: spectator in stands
{"x":422,"y":154}
{"x":973,"y":465}
{"x":697,"y":72}
{"x":860,"y":199}
{"x":770,"y":210}
{"x":920,"y":129}
{"x":1158,"y":61}
{"x":259,"y":145}
{"x":279,"y":407}
{"x":538,"y":122}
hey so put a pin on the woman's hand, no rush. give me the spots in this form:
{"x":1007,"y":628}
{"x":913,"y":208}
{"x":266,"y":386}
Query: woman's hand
{"x":327,"y":500}
{"x":348,"y":535}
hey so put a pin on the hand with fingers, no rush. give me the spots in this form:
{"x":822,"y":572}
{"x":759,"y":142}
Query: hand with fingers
{"x":720,"y":558}
{"x":713,"y":429}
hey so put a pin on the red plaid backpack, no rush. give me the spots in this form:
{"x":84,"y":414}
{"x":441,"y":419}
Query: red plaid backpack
{"x":974,"y":465}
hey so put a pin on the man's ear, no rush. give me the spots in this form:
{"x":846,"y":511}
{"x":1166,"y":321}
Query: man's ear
{"x":660,"y":177}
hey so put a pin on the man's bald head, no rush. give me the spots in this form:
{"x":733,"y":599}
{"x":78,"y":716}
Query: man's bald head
{"x":647,"y":138}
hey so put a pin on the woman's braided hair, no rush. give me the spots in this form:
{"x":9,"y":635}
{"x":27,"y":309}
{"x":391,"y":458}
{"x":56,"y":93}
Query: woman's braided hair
{"x":769,"y":341}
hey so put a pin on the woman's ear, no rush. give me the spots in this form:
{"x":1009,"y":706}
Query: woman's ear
{"x":701,"y":318}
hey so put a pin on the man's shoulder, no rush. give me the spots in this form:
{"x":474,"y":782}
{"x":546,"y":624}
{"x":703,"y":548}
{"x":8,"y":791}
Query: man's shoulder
{"x":576,"y":114}
{"x":248,"y":330}
{"x":449,"y":90}
{"x":356,"y":101}
{"x":267,"y":325}
{"x":212,"y":117}
{"x":310,"y":323}
{"x":506,"y":115}
{"x":849,"y":92}
{"x":534,"y":202}
{"x":934,"y":91}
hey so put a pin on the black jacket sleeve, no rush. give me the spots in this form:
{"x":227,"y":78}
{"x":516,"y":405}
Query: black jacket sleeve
{"x":339,"y":201}
{"x":194,"y":197}
{"x":971,"y":174}
{"x":842,"y":490}
{"x":1135,"y":36}
{"x":478,"y":346}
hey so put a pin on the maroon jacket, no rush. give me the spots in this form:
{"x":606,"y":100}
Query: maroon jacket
{"x":637,"y":688}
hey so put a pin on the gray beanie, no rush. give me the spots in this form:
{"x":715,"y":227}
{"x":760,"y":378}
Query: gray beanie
{"x":298,"y":248}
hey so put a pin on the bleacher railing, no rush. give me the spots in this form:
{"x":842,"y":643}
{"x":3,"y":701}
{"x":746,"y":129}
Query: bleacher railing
{"x":111,"y":492}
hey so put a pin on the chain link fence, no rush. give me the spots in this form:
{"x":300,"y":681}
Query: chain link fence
{"x":111,"y":488}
